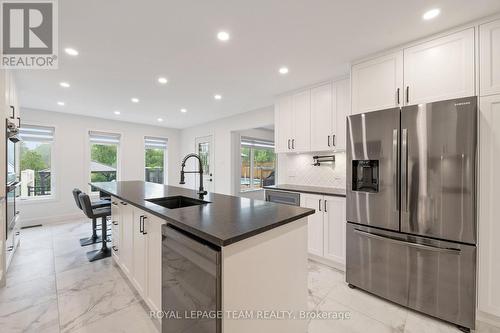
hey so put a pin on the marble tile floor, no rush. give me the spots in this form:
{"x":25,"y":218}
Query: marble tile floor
{"x":51,"y":287}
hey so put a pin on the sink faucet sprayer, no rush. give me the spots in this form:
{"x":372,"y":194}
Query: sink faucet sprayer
{"x":201,"y":191}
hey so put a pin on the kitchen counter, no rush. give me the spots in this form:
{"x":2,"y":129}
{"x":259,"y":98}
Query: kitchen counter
{"x":225,"y":220}
{"x":339,"y":192}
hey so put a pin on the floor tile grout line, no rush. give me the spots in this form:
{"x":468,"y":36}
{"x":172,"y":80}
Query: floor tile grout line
{"x":55,"y":281}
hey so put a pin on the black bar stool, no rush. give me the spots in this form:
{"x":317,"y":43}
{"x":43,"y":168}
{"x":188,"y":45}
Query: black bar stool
{"x":95,"y":213}
{"x":96,"y":204}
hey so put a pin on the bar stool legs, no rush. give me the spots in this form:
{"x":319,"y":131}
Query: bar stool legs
{"x":104,"y":252}
{"x":94,"y":238}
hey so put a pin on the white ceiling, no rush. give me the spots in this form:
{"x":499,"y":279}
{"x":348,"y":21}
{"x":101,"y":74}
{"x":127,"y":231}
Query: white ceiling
{"x":125,"y":45}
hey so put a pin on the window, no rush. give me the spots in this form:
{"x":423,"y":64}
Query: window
{"x":258,"y":164}
{"x":155,"y":155}
{"x":103,"y":156}
{"x":36,"y":161}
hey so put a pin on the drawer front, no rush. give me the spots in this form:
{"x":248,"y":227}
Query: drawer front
{"x":434,"y":277}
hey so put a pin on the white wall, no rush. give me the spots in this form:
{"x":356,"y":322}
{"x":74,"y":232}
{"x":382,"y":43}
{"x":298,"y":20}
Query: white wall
{"x":71,"y":159}
{"x":223,"y":132}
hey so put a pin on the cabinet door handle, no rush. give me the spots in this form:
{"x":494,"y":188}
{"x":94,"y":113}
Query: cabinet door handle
{"x":114,"y":222}
{"x":10,"y":248}
{"x":19,"y":121}
{"x":114,"y":203}
{"x":144,"y":232}
{"x":293,"y":143}
{"x":319,"y":205}
{"x":114,"y":248}
{"x":123,"y":203}
{"x":407,"y":94}
{"x":325,"y":206}
{"x":13,"y":116}
{"x":333,"y":140}
{"x":288,"y":144}
{"x":141,"y":221}
{"x":328,"y":141}
{"x":397,"y":95}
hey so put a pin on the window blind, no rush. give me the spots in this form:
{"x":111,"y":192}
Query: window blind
{"x":251,"y":142}
{"x":104,"y":138}
{"x":36,"y":133}
{"x":155,"y":143}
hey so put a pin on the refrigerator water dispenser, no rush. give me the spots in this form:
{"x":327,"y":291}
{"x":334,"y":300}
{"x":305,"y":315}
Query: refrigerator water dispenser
{"x":365,"y":176}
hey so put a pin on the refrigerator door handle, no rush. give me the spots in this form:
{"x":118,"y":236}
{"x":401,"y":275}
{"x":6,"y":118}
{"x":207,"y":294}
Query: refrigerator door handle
{"x":404,"y":170}
{"x":395,"y":153}
{"x":406,"y":243}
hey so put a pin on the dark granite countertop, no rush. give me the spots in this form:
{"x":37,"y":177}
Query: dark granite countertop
{"x":225,"y":220}
{"x":339,"y":192}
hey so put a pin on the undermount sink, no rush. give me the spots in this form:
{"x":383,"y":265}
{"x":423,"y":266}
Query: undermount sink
{"x":177,"y":202}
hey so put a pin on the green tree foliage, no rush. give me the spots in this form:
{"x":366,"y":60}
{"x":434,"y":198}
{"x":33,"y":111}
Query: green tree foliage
{"x":33,"y":160}
{"x":105,"y":154}
{"x":154,"y":158}
{"x":37,"y":158}
{"x":264,"y":155}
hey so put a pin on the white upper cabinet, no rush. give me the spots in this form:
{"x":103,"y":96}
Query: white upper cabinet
{"x":301,"y":106}
{"x":489,"y":55}
{"x":378,"y":83}
{"x":313,"y":120}
{"x":322,"y":118}
{"x":292,"y":122}
{"x":341,"y":109}
{"x":284,"y":124}
{"x":440,"y":69}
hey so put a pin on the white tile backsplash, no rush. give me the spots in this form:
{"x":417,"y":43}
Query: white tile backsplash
{"x":297,"y":169}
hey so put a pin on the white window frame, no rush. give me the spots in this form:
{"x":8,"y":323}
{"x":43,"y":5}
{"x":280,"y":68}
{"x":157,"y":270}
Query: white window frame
{"x":54,"y":175}
{"x":165,"y":157}
{"x":252,"y":188}
{"x":88,"y":157}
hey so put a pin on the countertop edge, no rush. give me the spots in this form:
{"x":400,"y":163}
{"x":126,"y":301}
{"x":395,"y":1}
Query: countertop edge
{"x":305,"y":191}
{"x":207,"y":237}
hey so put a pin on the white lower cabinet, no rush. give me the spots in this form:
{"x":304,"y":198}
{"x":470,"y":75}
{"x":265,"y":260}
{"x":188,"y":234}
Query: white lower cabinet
{"x":139,"y":277}
{"x":314,"y":223}
{"x":326,"y":228}
{"x":138,"y":249}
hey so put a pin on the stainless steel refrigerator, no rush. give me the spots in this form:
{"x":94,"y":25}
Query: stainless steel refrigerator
{"x":411,"y":207}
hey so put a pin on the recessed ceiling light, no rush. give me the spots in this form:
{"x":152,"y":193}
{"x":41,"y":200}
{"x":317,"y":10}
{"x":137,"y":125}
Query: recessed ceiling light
{"x":64,"y":84}
{"x":71,"y":51}
{"x":117,"y":113}
{"x":430,"y":14}
{"x":217,"y":97}
{"x":134,"y":100}
{"x":60,"y":103}
{"x":184,"y":110}
{"x":283,"y":70}
{"x":162,"y":80}
{"x":160,"y":120}
{"x":223,"y":36}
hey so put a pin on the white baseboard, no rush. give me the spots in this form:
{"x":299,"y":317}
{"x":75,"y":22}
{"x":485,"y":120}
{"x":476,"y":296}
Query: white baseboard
{"x":327,"y":262}
{"x":488,"y":318}
{"x":50,"y":219}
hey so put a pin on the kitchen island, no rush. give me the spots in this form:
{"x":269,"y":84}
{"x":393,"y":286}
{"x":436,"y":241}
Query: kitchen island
{"x":215,"y":263}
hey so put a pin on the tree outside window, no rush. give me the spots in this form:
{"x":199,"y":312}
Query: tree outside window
{"x":155,"y":154}
{"x":258,"y":164}
{"x":35,"y":161}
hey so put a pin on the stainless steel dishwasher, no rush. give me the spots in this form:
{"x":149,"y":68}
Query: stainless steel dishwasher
{"x":191,"y":282}
{"x":287,"y":198}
